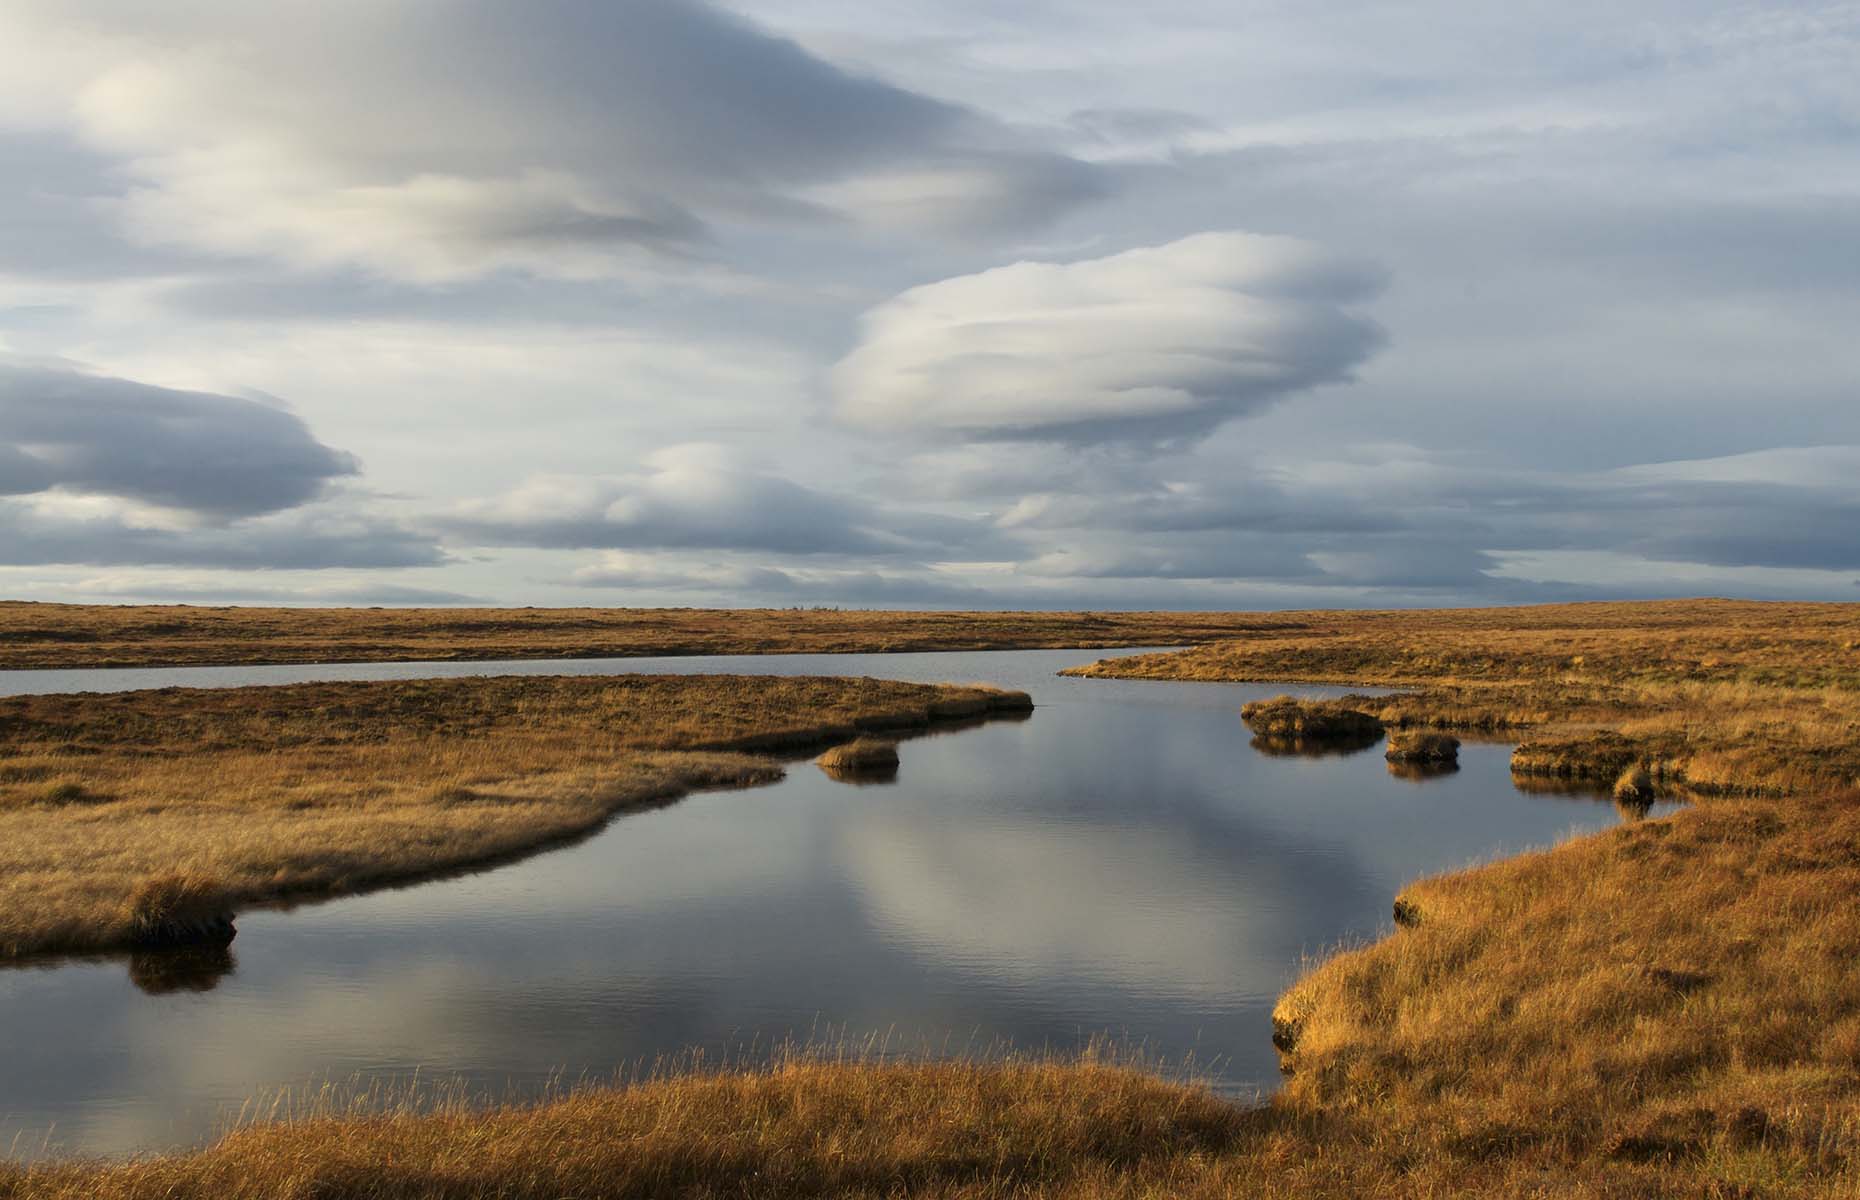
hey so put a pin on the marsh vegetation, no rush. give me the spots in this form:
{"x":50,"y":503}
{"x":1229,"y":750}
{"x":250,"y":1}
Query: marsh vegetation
{"x":1666,"y":1008}
{"x":78,"y":635}
{"x":145,"y":818}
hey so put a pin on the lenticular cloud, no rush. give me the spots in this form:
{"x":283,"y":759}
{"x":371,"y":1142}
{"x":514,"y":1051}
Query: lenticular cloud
{"x":1158,"y":342}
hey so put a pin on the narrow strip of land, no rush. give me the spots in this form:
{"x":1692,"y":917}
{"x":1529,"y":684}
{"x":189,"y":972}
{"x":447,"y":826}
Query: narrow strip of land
{"x":1711,"y":697}
{"x":139,"y":817}
{"x":69,"y":635}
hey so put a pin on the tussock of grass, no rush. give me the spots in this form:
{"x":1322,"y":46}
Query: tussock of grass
{"x":231,"y":797}
{"x":865,"y":754}
{"x":1310,"y":720}
{"x":1635,"y":786}
{"x":177,"y":909}
{"x":1594,"y":758}
{"x":1422,"y":748}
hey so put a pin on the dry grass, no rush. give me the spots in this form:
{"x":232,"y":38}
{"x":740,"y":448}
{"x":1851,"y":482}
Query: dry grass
{"x":1316,"y":720}
{"x":1669,"y":1008}
{"x":1673,"y":1002}
{"x":863,"y":754}
{"x":1714,"y":696}
{"x":1422,"y":747}
{"x":804,"y":1128}
{"x":142,"y":817}
{"x":72,"y":635}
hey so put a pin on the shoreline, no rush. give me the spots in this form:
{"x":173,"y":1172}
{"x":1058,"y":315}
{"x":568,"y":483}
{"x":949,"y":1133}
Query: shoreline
{"x":354,"y":800}
{"x":1666,"y":1007}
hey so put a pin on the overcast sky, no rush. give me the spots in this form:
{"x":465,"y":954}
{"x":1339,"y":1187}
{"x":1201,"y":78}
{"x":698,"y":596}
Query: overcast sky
{"x":1187,"y":304}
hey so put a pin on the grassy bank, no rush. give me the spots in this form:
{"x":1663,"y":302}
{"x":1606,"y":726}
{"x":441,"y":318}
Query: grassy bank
{"x":128,"y":817}
{"x":76,"y":635}
{"x":1668,"y":1008}
{"x":1713,"y":697}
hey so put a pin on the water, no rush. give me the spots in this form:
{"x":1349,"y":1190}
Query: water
{"x":1123,"y":863}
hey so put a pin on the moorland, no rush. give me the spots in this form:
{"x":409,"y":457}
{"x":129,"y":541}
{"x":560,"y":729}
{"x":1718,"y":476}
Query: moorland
{"x":34,"y":635}
{"x":136,"y":817}
{"x":1667,"y":1008}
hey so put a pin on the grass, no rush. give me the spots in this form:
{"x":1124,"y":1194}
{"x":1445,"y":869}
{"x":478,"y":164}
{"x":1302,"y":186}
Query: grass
{"x":1667,"y":1008}
{"x":143,"y":818}
{"x":803,"y":1128}
{"x":1715,"y":697}
{"x":1422,"y":746}
{"x":863,"y":754}
{"x":1315,"y":720}
{"x":97,"y":635}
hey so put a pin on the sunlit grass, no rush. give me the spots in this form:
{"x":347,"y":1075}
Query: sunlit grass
{"x":131,"y":818}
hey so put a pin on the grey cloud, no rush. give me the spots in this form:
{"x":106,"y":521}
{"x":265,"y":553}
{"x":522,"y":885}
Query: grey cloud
{"x":385,"y":594}
{"x":640,"y":573}
{"x":1118,"y":127}
{"x":302,"y":540}
{"x":1251,"y":502}
{"x":554,"y":138}
{"x":213,"y":455}
{"x":1159,"y":342}
{"x":1409,"y":522}
{"x":696,"y":497}
{"x":53,"y":223}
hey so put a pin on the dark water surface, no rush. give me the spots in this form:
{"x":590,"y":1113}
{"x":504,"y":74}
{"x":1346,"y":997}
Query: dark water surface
{"x":1123,"y":863}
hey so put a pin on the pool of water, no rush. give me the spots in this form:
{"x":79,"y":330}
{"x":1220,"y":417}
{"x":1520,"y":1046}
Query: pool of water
{"x":1123,"y":864}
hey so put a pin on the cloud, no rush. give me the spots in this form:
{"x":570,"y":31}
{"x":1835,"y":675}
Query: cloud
{"x":562,"y":138}
{"x":622,"y":570}
{"x":210,"y":455}
{"x":693,"y":497}
{"x":1157,"y":342}
{"x":104,"y":534}
{"x":207,"y":592}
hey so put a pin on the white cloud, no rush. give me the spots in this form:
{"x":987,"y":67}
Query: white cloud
{"x":442,"y":141}
{"x":1155,"y":342}
{"x":694,"y":496}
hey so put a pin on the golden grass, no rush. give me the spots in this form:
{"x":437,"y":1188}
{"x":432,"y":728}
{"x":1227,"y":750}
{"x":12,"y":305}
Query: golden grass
{"x":1669,"y":1008}
{"x":1673,"y":1001}
{"x":96,"y":635}
{"x":142,"y":817}
{"x":804,"y":1128}
{"x":1316,"y":720}
{"x":862,"y":754}
{"x":1715,"y":696}
{"x":1422,"y":747}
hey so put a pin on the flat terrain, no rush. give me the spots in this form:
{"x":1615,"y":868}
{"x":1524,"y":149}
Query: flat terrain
{"x":1717,"y":697}
{"x":69,"y":635}
{"x":214,"y":798}
{"x":1669,"y":1008}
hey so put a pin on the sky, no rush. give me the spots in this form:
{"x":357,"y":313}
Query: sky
{"x":1192,"y":304}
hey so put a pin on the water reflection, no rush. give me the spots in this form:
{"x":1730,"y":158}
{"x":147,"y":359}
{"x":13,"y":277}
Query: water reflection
{"x":1335,"y":746}
{"x":1634,"y":809}
{"x":1421,"y":771}
{"x":861,"y":776}
{"x":1122,"y":863}
{"x":181,"y":969}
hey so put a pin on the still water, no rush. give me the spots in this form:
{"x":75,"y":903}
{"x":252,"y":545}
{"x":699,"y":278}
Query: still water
{"x":1121,"y":864}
